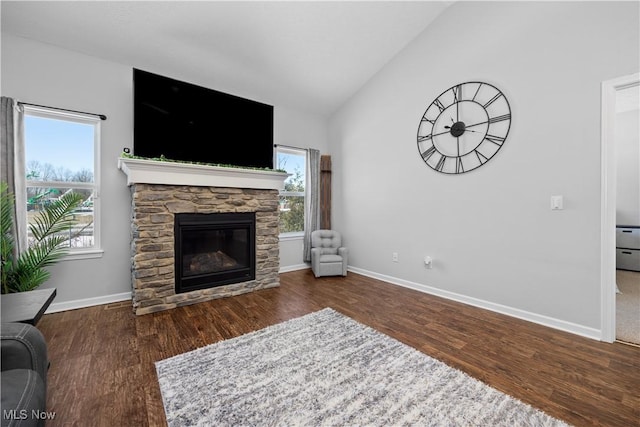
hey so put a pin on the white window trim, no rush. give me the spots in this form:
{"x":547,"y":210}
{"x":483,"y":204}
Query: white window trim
{"x":51,"y":113}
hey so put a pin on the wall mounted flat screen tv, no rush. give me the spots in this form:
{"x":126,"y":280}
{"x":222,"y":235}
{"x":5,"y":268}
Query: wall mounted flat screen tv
{"x":183,"y":121}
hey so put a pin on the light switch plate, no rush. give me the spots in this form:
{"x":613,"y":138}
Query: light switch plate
{"x":557,"y":203}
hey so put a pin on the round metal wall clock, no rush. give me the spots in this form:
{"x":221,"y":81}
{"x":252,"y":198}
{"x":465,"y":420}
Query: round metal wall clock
{"x":464,"y":127}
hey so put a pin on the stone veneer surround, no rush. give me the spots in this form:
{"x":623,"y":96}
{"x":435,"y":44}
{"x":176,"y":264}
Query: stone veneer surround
{"x":162,"y":189}
{"x":152,"y":240}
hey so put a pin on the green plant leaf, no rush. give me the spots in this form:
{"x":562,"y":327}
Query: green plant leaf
{"x":162,"y":158}
{"x":56,"y":217}
{"x":49,"y":245}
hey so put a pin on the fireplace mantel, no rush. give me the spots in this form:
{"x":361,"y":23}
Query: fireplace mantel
{"x":140,"y":171}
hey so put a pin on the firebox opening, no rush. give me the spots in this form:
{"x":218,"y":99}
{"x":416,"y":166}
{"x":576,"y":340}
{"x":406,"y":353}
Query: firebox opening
{"x":213,"y":250}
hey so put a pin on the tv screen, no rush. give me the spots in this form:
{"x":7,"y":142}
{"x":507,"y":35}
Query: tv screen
{"x":182,"y":121}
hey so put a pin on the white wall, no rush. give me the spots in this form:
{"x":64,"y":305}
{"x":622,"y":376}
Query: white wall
{"x":44,"y":74}
{"x":491,"y":232}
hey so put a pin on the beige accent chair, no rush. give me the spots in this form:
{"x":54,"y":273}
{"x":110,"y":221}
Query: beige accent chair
{"x":328,"y":256}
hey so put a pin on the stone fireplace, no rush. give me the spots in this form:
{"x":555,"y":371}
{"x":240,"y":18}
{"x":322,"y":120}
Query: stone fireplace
{"x":165,"y":194}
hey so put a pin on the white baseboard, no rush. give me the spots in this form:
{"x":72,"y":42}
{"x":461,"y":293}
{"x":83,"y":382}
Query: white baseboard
{"x":293,"y":268}
{"x":107,"y":299}
{"x":87,"y":302}
{"x":487,"y":305}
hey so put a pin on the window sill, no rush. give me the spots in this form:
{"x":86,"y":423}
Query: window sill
{"x":291,"y":236}
{"x":88,"y":254}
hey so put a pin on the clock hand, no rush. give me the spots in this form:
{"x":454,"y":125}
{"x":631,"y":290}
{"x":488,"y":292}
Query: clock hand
{"x":441,"y":133}
{"x":477,"y":124}
{"x":494,"y":119}
{"x":466,"y":129}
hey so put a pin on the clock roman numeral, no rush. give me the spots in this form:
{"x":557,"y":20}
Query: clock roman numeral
{"x":476,"y":94}
{"x":500,"y":118}
{"x":439,"y":104}
{"x":425,"y":119}
{"x":440,"y":164}
{"x":426,"y":155}
{"x":498,"y":140}
{"x":457,"y":93}
{"x":481,"y":158}
{"x":491,"y":101}
{"x":459,"y":167}
{"x":424,"y":138}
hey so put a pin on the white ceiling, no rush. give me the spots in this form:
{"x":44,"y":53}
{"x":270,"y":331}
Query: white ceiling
{"x":308,"y":55}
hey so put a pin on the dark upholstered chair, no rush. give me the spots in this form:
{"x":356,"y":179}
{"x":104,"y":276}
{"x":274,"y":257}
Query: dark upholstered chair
{"x":24,"y":375}
{"x":328,"y":256}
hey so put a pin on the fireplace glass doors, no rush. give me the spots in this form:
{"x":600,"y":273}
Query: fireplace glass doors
{"x":213,"y":249}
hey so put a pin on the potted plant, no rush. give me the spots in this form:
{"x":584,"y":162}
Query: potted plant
{"x":27,"y":270}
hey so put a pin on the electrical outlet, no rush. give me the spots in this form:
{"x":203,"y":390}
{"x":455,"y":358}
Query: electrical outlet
{"x":394,"y":257}
{"x":428,"y":262}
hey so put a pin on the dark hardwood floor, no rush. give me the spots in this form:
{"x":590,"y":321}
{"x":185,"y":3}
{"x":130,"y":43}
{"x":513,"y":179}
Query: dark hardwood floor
{"x":102,"y":358}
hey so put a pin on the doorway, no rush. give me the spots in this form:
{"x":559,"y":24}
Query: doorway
{"x":611,"y":91}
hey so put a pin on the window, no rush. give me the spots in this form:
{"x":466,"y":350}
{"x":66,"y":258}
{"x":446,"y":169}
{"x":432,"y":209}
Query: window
{"x":61,"y":155}
{"x":294,"y":161}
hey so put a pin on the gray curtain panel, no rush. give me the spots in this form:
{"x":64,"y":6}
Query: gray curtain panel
{"x":6,"y":139}
{"x":12,"y":164}
{"x":312,"y":199}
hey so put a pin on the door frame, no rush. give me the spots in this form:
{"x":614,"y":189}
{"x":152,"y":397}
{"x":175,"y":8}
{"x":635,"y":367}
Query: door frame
{"x":609,"y":89}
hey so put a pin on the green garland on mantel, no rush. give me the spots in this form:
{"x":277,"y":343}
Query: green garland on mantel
{"x":162,"y":158}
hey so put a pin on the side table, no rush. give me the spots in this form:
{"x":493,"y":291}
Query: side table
{"x":26,"y":307}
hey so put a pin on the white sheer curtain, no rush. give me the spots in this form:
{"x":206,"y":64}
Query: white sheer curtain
{"x":312,"y":200}
{"x":12,"y":165}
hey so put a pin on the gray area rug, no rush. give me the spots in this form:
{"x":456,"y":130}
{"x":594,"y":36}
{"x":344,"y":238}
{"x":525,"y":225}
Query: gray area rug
{"x":325,"y":369}
{"x":628,"y":306}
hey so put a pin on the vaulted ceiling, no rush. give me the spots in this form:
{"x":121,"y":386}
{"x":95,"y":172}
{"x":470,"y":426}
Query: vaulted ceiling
{"x":308,"y":55}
